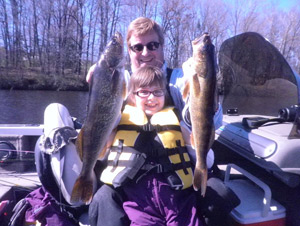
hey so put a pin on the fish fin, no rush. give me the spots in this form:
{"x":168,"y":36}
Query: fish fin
{"x":200,"y":179}
{"x":79,"y":143}
{"x":103,"y":152}
{"x":125,"y":93}
{"x":115,"y":75}
{"x":186,"y":90}
{"x":90,"y":73}
{"x":216,"y":100}
{"x":91,"y":81}
{"x":212,"y":136}
{"x":192,"y":140}
{"x":108,"y":144}
{"x":82,"y":190}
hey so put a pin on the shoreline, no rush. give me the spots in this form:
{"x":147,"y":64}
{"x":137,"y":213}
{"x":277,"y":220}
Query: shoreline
{"x":30,"y":79}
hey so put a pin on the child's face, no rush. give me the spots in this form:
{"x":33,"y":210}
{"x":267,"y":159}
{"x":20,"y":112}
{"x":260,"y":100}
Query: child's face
{"x":150,"y":103}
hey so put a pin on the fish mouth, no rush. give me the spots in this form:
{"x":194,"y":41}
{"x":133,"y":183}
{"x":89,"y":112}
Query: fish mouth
{"x":118,"y":37}
{"x":205,"y":38}
{"x":203,"y":46}
{"x":114,"y":52}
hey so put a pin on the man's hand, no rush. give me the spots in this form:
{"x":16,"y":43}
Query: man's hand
{"x":188,"y":67}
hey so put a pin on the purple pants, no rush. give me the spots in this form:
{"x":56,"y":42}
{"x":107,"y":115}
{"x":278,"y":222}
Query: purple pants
{"x":153,"y":202}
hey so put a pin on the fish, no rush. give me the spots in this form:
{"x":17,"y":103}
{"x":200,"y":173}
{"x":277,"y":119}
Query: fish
{"x":201,"y":87}
{"x":107,"y":92}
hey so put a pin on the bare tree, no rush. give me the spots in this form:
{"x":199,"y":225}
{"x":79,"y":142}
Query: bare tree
{"x":80,"y":18}
{"x":291,"y":34}
{"x":36,"y":44}
{"x":244,"y":15}
{"x":66,"y":36}
{"x":48,"y":39}
{"x":175,"y":20}
{"x":16,"y":8}
{"x":141,"y":8}
{"x":109,"y":16}
{"x":5,"y":31}
{"x":212,"y":17}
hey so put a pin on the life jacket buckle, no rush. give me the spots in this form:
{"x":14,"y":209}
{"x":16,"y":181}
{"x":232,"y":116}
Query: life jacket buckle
{"x":148,"y":127}
{"x":119,"y":151}
{"x":159,"y":168}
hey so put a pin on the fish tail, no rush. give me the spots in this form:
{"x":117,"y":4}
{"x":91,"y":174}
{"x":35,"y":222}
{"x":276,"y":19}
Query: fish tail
{"x":82,"y":190}
{"x":200,"y":180}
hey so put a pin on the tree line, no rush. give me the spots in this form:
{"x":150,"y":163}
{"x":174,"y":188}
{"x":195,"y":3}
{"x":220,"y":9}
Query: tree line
{"x":59,"y":37}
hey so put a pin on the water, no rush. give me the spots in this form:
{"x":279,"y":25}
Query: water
{"x":27,"y":106}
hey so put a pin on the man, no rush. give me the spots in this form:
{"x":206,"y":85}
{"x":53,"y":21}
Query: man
{"x":145,"y":44}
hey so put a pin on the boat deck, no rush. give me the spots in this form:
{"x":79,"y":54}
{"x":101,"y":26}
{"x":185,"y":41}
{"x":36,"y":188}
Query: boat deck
{"x":27,"y":180}
{"x":14,"y":186}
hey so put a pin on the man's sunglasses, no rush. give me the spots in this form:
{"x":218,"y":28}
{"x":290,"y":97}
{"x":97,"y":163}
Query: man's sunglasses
{"x":152,"y":46}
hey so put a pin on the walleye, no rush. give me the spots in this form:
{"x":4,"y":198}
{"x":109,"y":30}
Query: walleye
{"x":106,"y":95}
{"x":202,"y":86}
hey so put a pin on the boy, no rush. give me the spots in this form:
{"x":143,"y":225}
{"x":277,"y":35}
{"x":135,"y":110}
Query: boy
{"x":148,"y":160}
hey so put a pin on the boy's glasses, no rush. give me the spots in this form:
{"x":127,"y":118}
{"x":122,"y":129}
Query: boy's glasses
{"x":146,"y":93}
{"x":152,"y":46}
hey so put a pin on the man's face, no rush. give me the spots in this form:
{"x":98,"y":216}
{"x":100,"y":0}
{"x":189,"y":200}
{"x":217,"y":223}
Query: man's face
{"x":145,"y":56}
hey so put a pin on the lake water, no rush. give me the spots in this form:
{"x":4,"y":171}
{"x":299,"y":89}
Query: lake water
{"x":27,"y":106}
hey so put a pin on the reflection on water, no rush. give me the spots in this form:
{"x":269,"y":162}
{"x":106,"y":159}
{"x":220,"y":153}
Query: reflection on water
{"x":27,"y":106}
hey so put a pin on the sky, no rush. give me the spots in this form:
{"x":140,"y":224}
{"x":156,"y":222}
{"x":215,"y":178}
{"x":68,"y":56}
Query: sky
{"x":288,"y":4}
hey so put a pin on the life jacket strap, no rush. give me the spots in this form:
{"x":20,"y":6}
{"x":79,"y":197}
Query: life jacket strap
{"x":165,"y":168}
{"x":149,"y":127}
{"x":183,"y":162}
{"x":163,"y":152}
{"x":119,"y":151}
{"x":135,"y":163}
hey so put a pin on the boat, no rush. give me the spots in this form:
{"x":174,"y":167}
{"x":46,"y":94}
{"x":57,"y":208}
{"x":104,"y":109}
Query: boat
{"x":260,"y":134}
{"x":257,"y":148}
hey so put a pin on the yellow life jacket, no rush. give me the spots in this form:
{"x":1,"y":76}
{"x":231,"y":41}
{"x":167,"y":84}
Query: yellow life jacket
{"x":140,"y":146}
